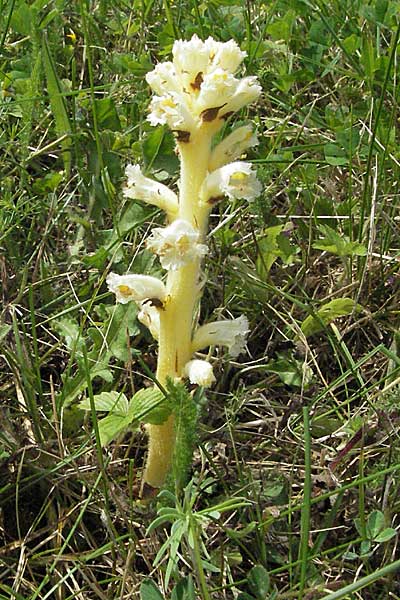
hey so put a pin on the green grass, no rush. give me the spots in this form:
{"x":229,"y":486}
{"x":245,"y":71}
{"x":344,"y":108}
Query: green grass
{"x":295,"y":481}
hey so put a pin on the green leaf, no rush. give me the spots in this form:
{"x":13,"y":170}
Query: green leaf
{"x":365,"y":548}
{"x":339,"y":307}
{"x":132,"y":216}
{"x":288,"y":370}
{"x":113,"y":402}
{"x":149,"y":591}
{"x":5,"y":328}
{"x":108,"y":341}
{"x":111,"y":426}
{"x":21,"y":19}
{"x":121,"y":325}
{"x":107,"y":115}
{"x":146,"y":406}
{"x":334,"y":155}
{"x":385,"y":535}
{"x":159,"y":151}
{"x":259,"y":582}
{"x":71,"y":332}
{"x":58,"y":105}
{"x":184,"y":590}
{"x":375,"y":523}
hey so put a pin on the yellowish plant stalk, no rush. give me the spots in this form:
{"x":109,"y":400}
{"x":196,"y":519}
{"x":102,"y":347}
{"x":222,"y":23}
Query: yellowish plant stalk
{"x":194,"y":95}
{"x":176,"y":319}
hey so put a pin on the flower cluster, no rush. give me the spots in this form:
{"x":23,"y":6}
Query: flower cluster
{"x":199,"y":84}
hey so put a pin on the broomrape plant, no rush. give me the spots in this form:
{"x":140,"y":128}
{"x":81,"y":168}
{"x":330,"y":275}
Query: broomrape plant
{"x":194,"y":95}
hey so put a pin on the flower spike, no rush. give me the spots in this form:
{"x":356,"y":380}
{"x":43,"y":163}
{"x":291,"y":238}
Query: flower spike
{"x":199,"y":85}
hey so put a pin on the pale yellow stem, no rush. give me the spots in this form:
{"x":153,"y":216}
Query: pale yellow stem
{"x":176,"y":319}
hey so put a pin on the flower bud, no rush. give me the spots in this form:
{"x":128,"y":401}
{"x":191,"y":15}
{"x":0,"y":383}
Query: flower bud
{"x":199,"y":372}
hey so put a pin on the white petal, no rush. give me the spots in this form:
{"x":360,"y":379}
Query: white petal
{"x":247,"y":91}
{"x":230,"y":333}
{"x":143,"y":188}
{"x":216,"y":90}
{"x":176,"y":245}
{"x":149,"y":315}
{"x":233,"y":146}
{"x":191,"y":59}
{"x":226,"y":55}
{"x":135,"y":287}
{"x":199,"y":372}
{"x":163,"y":79}
{"x":172,"y":110}
{"x":235,"y":180}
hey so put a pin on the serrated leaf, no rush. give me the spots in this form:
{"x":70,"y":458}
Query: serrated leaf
{"x":339,"y":307}
{"x":145,"y":406}
{"x":108,"y":341}
{"x":149,"y":591}
{"x":121,"y":324}
{"x":111,"y":426}
{"x":338,"y":244}
{"x":75,"y":385}
{"x":113,"y":402}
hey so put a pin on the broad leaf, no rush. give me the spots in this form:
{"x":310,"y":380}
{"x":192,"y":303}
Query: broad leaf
{"x":149,"y":591}
{"x":111,"y":426}
{"x":146,"y":406}
{"x":339,"y":307}
{"x":259,"y":582}
{"x":113,"y":402}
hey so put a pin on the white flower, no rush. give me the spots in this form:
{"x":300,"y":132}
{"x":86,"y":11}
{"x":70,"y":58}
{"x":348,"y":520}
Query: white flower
{"x":199,"y":372}
{"x":230,"y":333}
{"x":225,"y":55}
{"x":233,"y":146}
{"x":200,"y":79}
{"x":135,"y":287}
{"x":149,"y":315}
{"x":235,"y":180}
{"x":176,"y":245}
{"x":163,"y":79}
{"x":216,"y":90}
{"x":191,"y":58}
{"x":247,"y":91}
{"x":143,"y":188}
{"x":171,"y":109}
